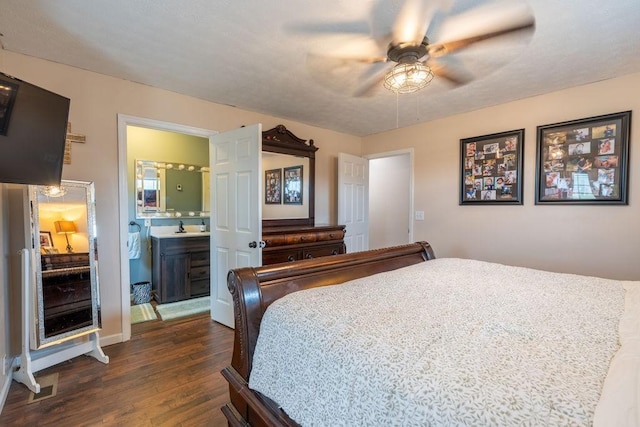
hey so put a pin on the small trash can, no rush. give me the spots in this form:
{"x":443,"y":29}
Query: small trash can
{"x":141,"y":292}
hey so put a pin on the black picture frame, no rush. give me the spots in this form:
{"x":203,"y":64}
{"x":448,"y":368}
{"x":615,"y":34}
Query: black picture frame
{"x":292,"y":190}
{"x":273,"y":186}
{"x":584,"y":162}
{"x":8,"y":91}
{"x":491,"y":169}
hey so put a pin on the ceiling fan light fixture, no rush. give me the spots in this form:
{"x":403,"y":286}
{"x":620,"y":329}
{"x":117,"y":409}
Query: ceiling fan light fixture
{"x":53,"y":190}
{"x":408,"y":77}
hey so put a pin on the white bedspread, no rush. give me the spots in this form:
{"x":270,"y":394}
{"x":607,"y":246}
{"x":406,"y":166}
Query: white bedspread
{"x":450,"y":342}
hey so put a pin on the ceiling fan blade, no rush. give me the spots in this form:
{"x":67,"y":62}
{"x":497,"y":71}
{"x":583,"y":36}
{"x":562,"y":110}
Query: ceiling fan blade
{"x":350,"y":47}
{"x":452,"y":74}
{"x":412,"y":22}
{"x":372,"y":80}
{"x":351,"y":27}
{"x":341,"y":75}
{"x":489,"y":21}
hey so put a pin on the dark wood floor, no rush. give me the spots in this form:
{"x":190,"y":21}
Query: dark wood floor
{"x":168,"y":374}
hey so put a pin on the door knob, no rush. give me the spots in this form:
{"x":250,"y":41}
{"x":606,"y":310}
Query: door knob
{"x":253,"y":245}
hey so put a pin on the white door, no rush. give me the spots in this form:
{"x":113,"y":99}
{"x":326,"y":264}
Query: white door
{"x":353,"y":201}
{"x":235,"y":160}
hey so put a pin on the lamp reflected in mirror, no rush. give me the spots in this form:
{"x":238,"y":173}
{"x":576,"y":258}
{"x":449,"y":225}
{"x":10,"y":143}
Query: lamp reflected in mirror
{"x":66,"y":228}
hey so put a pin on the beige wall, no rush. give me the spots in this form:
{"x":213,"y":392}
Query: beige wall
{"x":95,"y":102}
{"x":595,"y":240}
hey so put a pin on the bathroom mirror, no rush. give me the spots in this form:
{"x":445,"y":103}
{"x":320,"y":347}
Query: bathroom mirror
{"x":171,"y":190}
{"x":65,"y":262}
{"x":289,"y":167}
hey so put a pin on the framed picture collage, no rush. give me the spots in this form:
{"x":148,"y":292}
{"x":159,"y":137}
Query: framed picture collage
{"x":583,"y":161}
{"x":578,"y":162}
{"x":492,"y":168}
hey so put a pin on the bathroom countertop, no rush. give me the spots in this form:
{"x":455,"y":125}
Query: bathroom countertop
{"x":186,"y":234}
{"x":164,"y":232}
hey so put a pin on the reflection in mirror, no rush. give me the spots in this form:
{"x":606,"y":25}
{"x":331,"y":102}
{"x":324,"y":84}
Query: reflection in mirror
{"x":66,"y":264}
{"x":293,"y":159}
{"x":286,"y":207}
{"x":166,"y":190}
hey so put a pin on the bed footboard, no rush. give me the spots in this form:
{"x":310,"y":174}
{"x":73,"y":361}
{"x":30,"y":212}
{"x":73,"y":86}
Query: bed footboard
{"x":254,"y":289}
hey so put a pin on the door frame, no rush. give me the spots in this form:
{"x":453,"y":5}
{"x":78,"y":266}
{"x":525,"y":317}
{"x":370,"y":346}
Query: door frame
{"x":402,"y":152}
{"x":123,"y":199}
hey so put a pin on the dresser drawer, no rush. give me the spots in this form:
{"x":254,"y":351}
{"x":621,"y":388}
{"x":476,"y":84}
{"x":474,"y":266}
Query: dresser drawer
{"x":320,"y":251}
{"x":198,"y":273}
{"x":199,"y":258}
{"x":295,"y":239}
{"x":293,"y":243}
{"x":322,"y":236}
{"x":199,"y":287}
{"x":274,"y":240}
{"x":284,"y":255}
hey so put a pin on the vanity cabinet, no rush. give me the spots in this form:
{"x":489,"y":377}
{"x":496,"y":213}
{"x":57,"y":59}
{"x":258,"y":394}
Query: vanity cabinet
{"x":180,"y":268}
{"x":286,"y":244}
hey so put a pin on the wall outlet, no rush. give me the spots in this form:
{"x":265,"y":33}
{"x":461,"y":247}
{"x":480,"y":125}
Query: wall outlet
{"x":147,"y":223}
{"x":419,"y":215}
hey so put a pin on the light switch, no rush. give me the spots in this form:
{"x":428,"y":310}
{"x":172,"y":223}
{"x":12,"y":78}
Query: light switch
{"x":419,"y":215}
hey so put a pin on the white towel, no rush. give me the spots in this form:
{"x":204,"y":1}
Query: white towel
{"x":134,"y":245}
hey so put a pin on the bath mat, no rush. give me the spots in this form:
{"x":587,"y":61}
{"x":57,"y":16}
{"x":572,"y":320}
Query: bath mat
{"x":48,"y":388}
{"x":178,"y":309}
{"x":142,"y":313}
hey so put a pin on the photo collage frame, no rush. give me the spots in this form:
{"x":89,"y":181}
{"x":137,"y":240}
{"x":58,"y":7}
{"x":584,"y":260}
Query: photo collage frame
{"x":492,"y":168}
{"x":583,"y":161}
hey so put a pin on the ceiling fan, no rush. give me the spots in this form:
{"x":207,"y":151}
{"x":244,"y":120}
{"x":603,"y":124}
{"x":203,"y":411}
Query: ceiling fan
{"x":405,"y":57}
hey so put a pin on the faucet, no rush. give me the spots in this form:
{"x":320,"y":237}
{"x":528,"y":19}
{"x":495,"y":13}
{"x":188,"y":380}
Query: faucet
{"x":181,"y":227}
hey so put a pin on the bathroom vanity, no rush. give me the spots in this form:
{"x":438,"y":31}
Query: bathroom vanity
{"x":180,"y":266}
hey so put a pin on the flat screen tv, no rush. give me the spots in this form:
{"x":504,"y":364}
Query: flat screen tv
{"x":33,"y":129}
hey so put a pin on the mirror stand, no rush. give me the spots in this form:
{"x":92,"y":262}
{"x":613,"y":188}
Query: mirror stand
{"x":32,"y":361}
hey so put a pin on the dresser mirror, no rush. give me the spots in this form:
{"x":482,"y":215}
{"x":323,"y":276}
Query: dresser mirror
{"x":288,"y":179}
{"x":171,"y":190}
{"x":65,"y":262}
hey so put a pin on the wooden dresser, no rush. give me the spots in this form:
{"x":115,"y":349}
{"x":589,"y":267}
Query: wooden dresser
{"x":293,"y":243}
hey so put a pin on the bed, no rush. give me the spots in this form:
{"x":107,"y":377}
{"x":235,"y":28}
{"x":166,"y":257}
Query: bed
{"x":464,"y":349}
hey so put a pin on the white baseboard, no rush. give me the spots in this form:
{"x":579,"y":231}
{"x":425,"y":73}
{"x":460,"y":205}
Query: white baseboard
{"x":6,"y":384}
{"x":4,"y":392}
{"x":110,"y":339}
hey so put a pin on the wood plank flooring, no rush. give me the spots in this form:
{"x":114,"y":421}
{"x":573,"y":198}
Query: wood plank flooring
{"x":168,"y":374}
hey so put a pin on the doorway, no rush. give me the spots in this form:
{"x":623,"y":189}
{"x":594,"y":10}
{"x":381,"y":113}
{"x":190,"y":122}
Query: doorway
{"x":125,"y":186}
{"x":390,"y":199}
{"x":375,"y":199}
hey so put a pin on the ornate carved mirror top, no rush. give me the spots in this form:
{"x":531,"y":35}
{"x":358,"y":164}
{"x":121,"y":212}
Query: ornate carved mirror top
{"x":289,"y":185}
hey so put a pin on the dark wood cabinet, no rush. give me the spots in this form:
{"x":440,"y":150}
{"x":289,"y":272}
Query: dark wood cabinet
{"x":180,"y":268}
{"x":286,"y":244}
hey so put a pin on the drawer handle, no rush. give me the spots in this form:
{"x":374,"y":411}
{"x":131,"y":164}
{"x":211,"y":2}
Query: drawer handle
{"x":331,"y":235}
{"x":302,"y":238}
{"x":334,"y":252}
{"x":309,"y":256}
{"x":291,"y":258}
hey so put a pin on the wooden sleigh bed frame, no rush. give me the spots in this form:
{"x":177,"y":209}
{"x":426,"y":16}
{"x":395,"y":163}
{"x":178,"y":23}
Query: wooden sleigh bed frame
{"x":254,"y":289}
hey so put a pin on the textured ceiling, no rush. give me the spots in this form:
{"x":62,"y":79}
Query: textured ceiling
{"x":253,"y":54}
